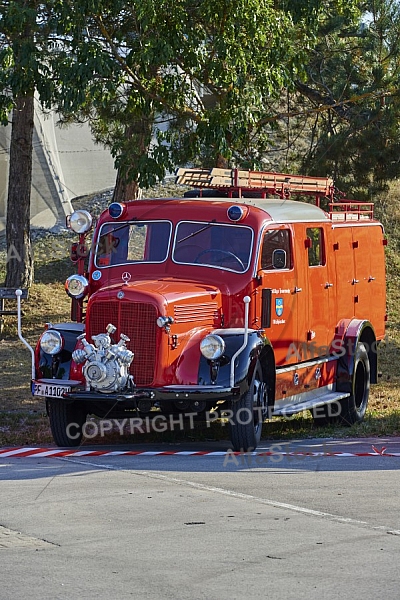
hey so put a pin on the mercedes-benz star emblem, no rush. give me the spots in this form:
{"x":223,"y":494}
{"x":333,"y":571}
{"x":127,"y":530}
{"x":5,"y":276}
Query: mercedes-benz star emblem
{"x":126,"y":277}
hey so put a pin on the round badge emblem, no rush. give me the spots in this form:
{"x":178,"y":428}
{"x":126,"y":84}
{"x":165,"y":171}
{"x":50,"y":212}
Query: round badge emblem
{"x":96,"y":275}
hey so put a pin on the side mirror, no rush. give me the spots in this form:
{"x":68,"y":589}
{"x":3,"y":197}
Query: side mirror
{"x":279,"y":259}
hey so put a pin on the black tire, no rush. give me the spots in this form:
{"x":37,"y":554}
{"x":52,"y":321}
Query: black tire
{"x":328,"y":414}
{"x":249,"y":413}
{"x":354,"y":407}
{"x":168,"y":408}
{"x":66,"y":422}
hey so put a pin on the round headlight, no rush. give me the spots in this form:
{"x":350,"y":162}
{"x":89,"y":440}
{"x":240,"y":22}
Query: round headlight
{"x":80,"y":221}
{"x":51,"y":341}
{"x":212,"y":347}
{"x":76,"y":286}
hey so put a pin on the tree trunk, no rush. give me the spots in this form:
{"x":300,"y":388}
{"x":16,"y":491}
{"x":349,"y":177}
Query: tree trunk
{"x":124,"y":190}
{"x":19,"y":272}
{"x":137,"y":143}
{"x":222,"y":162}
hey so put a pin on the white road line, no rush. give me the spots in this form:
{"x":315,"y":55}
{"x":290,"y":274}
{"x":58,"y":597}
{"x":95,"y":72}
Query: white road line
{"x":201,"y":486}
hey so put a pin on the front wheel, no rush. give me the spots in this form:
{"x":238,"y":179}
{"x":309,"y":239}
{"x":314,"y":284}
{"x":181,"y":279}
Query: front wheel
{"x":66,"y":422}
{"x":249,"y":413}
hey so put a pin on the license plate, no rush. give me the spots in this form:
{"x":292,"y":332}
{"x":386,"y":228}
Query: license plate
{"x":50,"y":391}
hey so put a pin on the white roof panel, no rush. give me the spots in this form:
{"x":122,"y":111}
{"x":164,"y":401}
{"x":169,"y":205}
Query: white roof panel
{"x":287,"y":211}
{"x":280,"y":210}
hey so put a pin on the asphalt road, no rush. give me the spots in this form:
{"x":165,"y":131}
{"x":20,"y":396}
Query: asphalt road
{"x":280,"y":525}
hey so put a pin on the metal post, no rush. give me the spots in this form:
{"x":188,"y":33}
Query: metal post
{"x":18,"y":293}
{"x":246,"y":301}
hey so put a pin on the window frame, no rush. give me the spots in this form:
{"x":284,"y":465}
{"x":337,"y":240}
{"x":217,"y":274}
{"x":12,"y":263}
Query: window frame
{"x":278,"y":228}
{"x":119,"y":224}
{"x":213,"y":224}
{"x":311,"y":247}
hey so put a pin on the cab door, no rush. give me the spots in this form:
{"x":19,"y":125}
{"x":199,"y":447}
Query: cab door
{"x":279,"y":303}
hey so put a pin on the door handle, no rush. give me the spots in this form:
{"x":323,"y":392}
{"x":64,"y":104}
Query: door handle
{"x":328,"y":285}
{"x":297,"y":290}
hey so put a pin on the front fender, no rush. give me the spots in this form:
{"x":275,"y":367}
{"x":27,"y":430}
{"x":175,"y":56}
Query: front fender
{"x":218,"y":372}
{"x":58,"y":366}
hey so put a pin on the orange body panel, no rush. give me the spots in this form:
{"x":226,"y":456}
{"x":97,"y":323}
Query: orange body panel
{"x":305,"y":378}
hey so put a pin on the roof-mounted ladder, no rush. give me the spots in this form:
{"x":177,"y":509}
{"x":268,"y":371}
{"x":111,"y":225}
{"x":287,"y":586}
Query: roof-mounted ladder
{"x":235,"y":181}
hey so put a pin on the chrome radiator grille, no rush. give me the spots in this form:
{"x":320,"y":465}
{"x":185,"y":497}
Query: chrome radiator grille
{"x":136,"y":320}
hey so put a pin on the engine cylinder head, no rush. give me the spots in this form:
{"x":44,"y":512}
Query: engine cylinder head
{"x":95,"y":372}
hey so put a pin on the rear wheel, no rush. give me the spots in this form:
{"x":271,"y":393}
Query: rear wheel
{"x":249,"y":413}
{"x":354,"y":407}
{"x":66,"y":422}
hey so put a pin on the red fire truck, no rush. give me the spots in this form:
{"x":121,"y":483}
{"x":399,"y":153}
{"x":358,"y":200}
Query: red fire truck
{"x":235,"y":298}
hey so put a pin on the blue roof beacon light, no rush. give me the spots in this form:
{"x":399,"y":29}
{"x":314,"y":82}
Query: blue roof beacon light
{"x":116,"y":210}
{"x":235,"y":213}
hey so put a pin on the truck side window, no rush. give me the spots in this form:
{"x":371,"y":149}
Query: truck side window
{"x":276,"y":250}
{"x":315,"y":245}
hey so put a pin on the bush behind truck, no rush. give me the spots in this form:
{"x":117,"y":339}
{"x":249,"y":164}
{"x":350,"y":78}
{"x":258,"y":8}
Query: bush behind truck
{"x":234,"y":299}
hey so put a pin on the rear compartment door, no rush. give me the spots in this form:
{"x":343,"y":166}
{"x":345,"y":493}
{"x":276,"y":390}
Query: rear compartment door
{"x":369,"y":285}
{"x":344,"y":275}
{"x":319,"y":284}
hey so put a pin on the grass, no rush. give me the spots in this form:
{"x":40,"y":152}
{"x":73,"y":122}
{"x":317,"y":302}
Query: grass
{"x":23,"y":420}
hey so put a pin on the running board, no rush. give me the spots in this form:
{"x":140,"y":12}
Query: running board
{"x":292,"y":409}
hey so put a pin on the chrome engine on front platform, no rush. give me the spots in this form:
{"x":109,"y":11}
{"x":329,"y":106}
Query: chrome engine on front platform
{"x":107,"y":364}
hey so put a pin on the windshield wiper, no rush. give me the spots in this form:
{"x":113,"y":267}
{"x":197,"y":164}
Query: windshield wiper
{"x":124,"y":224}
{"x":196,"y":232}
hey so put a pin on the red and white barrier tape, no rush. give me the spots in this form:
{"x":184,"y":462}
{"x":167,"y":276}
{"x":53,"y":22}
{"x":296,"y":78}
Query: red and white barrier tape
{"x":22,"y":452}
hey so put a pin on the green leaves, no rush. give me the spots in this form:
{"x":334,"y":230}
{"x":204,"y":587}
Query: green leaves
{"x":222,"y":73}
{"x":212,"y":66}
{"x":24,"y":59}
{"x":355,"y":70}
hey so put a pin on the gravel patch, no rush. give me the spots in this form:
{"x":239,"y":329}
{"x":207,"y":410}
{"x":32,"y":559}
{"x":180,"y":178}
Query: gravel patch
{"x":95,"y":204}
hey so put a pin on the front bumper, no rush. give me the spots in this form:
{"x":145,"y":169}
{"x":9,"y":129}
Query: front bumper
{"x":167,"y":393}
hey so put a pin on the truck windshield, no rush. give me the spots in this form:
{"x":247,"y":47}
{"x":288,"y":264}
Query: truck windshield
{"x":213,"y":245}
{"x":134,"y":242}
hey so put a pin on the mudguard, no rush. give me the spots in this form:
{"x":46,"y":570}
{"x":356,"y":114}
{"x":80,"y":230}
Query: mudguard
{"x":58,"y":366}
{"x":351,"y":332}
{"x":218,"y":372}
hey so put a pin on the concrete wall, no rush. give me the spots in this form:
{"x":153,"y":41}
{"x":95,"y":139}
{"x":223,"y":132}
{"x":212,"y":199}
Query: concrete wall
{"x":66,"y":163}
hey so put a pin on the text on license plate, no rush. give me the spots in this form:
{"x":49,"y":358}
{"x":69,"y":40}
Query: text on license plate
{"x":51,"y":391}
